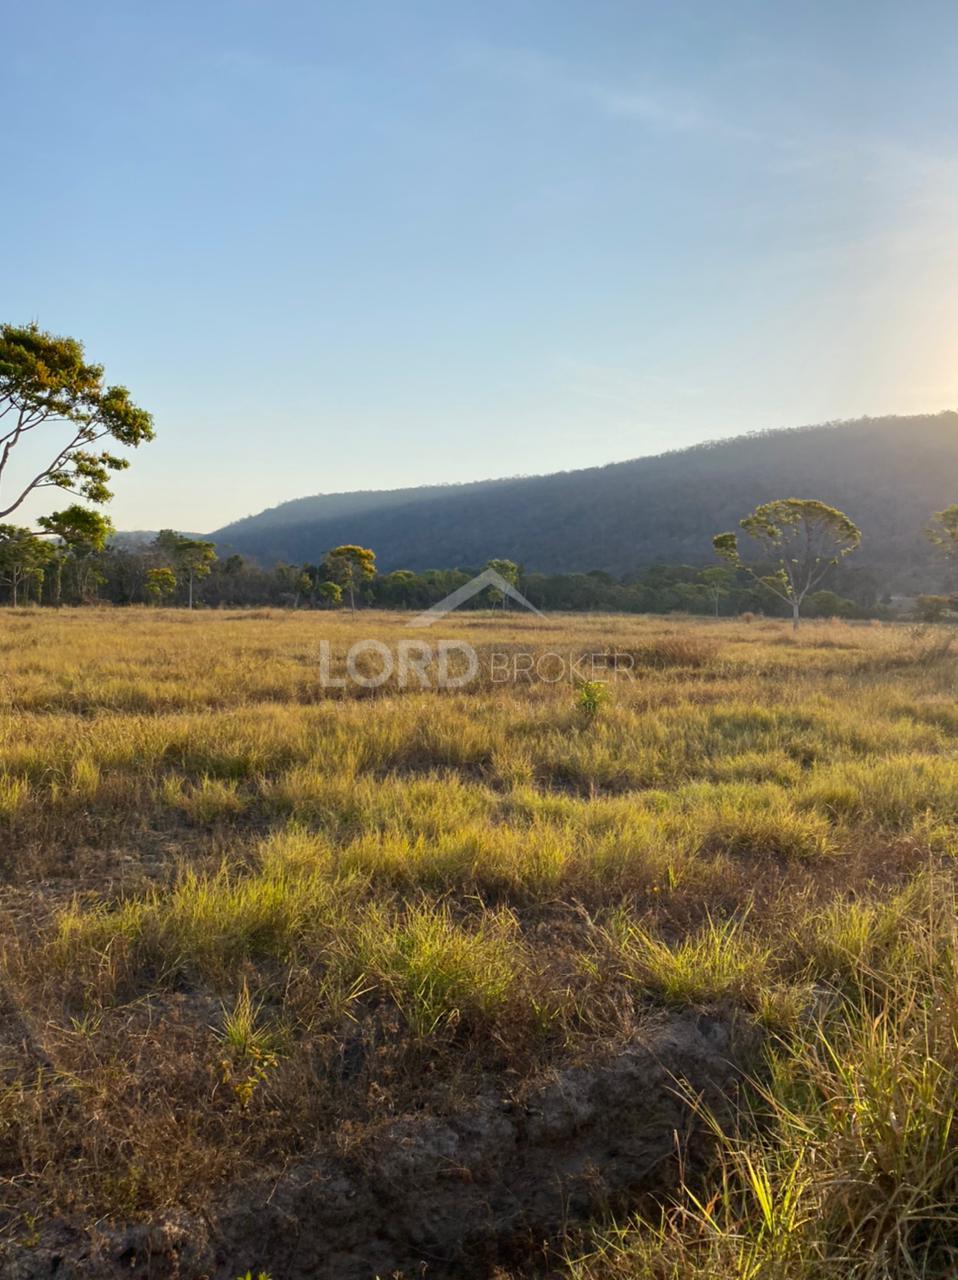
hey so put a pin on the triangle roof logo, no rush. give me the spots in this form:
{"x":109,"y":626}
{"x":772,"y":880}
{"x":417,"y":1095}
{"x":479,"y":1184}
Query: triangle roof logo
{"x":488,"y":578}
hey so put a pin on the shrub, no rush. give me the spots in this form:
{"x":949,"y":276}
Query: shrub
{"x":591,"y":695}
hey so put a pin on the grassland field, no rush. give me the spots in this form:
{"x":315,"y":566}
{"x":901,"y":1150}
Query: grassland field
{"x":245,"y":917}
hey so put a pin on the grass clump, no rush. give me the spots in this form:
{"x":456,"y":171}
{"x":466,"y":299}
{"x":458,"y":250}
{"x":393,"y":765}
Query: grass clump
{"x":718,"y":961}
{"x":439,"y":973}
{"x":207,"y":926}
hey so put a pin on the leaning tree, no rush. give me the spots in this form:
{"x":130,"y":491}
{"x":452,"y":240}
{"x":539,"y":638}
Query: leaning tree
{"x":801,"y":538}
{"x":59,"y":420}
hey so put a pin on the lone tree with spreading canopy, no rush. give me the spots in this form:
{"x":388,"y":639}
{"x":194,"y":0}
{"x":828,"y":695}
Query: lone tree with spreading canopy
{"x":194,"y":557}
{"x":350,"y":566}
{"x":49,"y":392}
{"x":804,"y":538}
{"x":507,"y":569}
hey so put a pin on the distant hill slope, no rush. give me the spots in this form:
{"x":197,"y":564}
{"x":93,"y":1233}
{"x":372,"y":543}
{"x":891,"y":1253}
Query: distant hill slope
{"x":888,"y":474}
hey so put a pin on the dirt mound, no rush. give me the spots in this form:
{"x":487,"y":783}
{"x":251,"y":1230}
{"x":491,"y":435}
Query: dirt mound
{"x":442,"y":1196}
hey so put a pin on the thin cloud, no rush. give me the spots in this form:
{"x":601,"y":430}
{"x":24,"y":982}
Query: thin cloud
{"x":659,"y":109}
{"x":654,"y":106}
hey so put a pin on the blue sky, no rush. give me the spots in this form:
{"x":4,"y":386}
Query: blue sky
{"x":384,"y":242}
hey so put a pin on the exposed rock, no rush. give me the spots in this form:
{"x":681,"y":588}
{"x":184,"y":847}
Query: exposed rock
{"x":444,"y":1196}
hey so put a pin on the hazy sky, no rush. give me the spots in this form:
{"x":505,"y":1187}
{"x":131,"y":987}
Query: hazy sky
{"x":337,"y":245}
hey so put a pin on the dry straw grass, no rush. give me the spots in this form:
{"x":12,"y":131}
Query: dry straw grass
{"x":243,"y":913}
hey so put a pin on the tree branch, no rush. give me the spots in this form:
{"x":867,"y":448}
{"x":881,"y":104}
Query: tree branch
{"x":61,"y":456}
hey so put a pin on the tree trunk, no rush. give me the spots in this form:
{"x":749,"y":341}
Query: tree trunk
{"x":352,"y":598}
{"x":13,"y":584}
{"x":191,"y":589}
{"x":795,"y":615}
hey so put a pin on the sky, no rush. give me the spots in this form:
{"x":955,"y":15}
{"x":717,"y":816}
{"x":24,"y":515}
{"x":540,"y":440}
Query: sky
{"x":376,"y":243}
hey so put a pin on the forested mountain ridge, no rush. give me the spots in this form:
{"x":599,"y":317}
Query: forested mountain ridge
{"x":888,"y":474}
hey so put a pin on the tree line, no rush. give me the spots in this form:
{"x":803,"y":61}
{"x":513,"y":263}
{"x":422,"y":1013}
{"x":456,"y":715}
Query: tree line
{"x":798,"y":570}
{"x":177,"y":571}
{"x":50,"y":392}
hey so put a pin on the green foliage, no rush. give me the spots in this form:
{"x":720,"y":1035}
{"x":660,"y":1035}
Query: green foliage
{"x":194,"y":557}
{"x":802,"y":537}
{"x":23,"y":559}
{"x":720,"y":960}
{"x":829,"y":604}
{"x":591,"y":695}
{"x":438,"y":973}
{"x":401,"y":588}
{"x":250,"y":1047}
{"x":82,"y":563}
{"x":330,"y":593}
{"x":507,"y":570}
{"x":47,"y":387}
{"x":718,"y":582}
{"x":349,"y":566}
{"x":81,"y":535}
{"x":942,"y":532}
{"x":296,"y":583}
{"x":662,"y":589}
{"x":160,"y":584}
{"x":78,"y":528}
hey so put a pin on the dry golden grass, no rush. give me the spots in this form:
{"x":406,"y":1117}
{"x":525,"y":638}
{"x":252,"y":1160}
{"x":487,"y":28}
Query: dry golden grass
{"x":221,"y":879}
